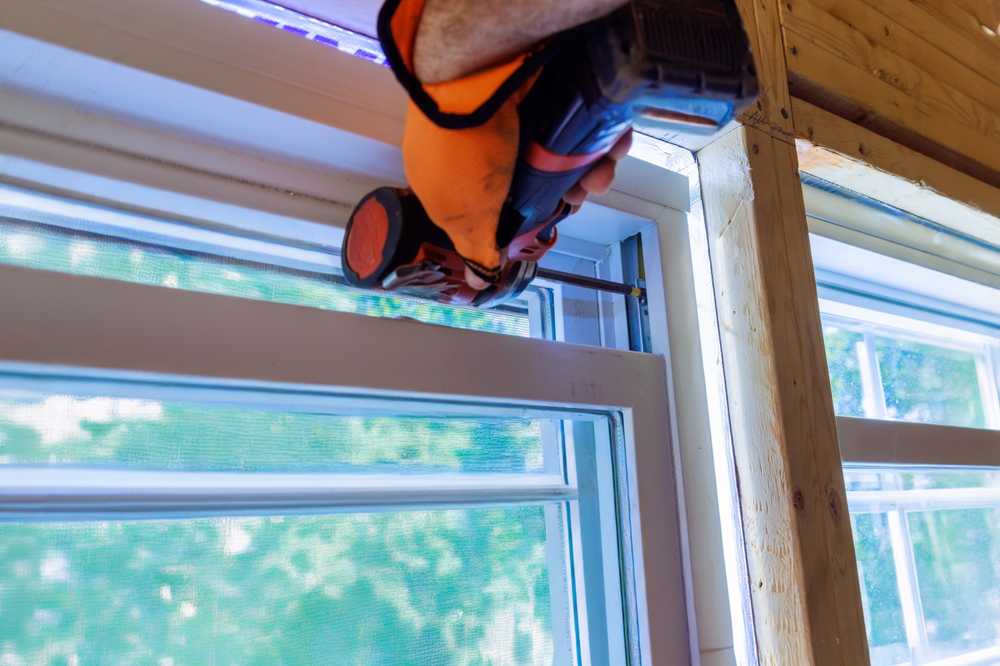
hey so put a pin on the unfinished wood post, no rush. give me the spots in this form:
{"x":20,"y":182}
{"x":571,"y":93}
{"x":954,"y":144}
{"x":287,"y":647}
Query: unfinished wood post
{"x":800,"y":554}
{"x":805,"y":592}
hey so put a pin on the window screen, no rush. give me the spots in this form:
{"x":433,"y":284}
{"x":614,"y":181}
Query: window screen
{"x":47,"y":247}
{"x":426,"y":587}
{"x":154,"y":522}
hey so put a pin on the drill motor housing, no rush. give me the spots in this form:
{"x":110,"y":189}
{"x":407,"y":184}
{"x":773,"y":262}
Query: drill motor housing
{"x":681,"y":65}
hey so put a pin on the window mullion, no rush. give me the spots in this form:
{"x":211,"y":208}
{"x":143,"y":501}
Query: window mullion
{"x":41,"y":492}
{"x":906,"y":576}
{"x":989,"y":384}
{"x":871,"y":377}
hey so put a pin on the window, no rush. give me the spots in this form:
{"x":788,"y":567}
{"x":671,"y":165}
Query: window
{"x":913,"y":352}
{"x":172,"y":529}
{"x":888,"y":372}
{"x":193,"y":503}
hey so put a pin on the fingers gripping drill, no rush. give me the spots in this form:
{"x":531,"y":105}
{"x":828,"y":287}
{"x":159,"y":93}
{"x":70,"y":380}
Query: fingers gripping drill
{"x":677,"y":64}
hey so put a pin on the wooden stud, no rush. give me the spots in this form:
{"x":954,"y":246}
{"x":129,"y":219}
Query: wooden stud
{"x":772,"y":112}
{"x":805,"y":591}
{"x":800,"y":553}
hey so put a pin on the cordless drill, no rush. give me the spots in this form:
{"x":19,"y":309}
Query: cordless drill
{"x":680,"y":64}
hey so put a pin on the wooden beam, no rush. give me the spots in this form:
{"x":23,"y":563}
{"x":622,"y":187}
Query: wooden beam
{"x":906,"y":74}
{"x":969,"y":19}
{"x":827,"y":80}
{"x":960,"y":44}
{"x":985,"y":12}
{"x":805,"y":593}
{"x":772,"y":113}
{"x":851,"y":156}
{"x":878,"y":29}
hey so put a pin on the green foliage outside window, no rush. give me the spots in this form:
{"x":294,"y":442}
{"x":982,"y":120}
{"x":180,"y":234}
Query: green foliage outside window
{"x":149,"y":434}
{"x":415,"y":588}
{"x":420,"y":587}
{"x":427,"y":587}
{"x":958,"y":569}
{"x":880,"y":595}
{"x":845,"y":373}
{"x":930,"y":383}
{"x":37,"y":246}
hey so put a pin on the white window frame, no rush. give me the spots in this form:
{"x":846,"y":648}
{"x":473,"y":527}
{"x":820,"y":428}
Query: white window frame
{"x":78,"y":326}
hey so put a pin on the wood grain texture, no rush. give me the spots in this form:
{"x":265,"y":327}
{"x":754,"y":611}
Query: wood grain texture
{"x":879,"y":29}
{"x":960,"y":44}
{"x":851,"y":156}
{"x":986,"y":12}
{"x":800,"y":552}
{"x":923,"y":73}
{"x":824,"y":79}
{"x":906,"y":75}
{"x":772,"y":112}
{"x":961,"y":18}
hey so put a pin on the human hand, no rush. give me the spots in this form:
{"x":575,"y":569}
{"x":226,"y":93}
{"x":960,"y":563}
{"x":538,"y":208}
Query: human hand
{"x":598,"y":180}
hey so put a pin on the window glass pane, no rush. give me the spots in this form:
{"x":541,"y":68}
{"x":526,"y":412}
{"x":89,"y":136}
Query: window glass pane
{"x":950,"y":531}
{"x":941,"y":479}
{"x":957,"y":557}
{"x":928,"y":383}
{"x":49,"y":248}
{"x":153,"y":434}
{"x":431,"y":587}
{"x":845,"y":370}
{"x":879,"y":590}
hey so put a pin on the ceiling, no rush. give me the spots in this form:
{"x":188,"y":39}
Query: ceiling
{"x":356,"y":15}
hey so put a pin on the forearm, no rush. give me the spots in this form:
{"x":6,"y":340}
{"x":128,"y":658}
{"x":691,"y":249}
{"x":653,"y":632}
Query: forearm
{"x":458,"y":37}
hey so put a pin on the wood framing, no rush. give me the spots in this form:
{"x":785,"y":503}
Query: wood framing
{"x":925,"y":73}
{"x":805,"y":592}
{"x":851,"y":156}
